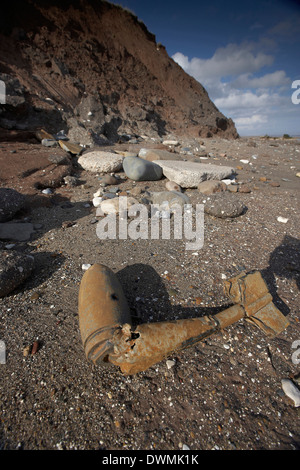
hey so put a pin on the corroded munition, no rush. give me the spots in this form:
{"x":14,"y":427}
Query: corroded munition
{"x":103,"y":309}
{"x":108,"y":336}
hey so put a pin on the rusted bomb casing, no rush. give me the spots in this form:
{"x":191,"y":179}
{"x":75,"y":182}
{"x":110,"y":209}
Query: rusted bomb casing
{"x":108,"y":336}
{"x":102,"y":309}
{"x":152,"y":342}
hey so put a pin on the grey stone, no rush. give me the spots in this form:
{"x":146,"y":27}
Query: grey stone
{"x":11,"y":201}
{"x":191,"y":174}
{"x":172,"y":198}
{"x":211,"y":187}
{"x":59,"y":159}
{"x":15,"y":268}
{"x":138,"y":169}
{"x":172,"y":186}
{"x":158,"y":154}
{"x":16,"y":231}
{"x":49,"y":143}
{"x":71,"y":180}
{"x":223,"y":205}
{"x":101,"y":162}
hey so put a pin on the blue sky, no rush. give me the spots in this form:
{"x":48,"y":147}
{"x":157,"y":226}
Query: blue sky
{"x":245,"y":54}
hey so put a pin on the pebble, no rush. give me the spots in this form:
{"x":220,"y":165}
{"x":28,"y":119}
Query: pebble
{"x":291,"y":391}
{"x":47,"y":191}
{"x":15,"y":268}
{"x":85,"y":266}
{"x":49,"y":143}
{"x":224,"y":205}
{"x":108,"y":180}
{"x":11,"y":201}
{"x":211,"y":187}
{"x":157,"y":154}
{"x":282,"y":219}
{"x":171,"y":142}
{"x":170,"y":364}
{"x":172,"y":186}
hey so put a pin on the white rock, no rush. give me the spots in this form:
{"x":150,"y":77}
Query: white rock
{"x":97,"y":201}
{"x":112,"y":206}
{"x":47,"y":191}
{"x":86,"y":266}
{"x":244,"y":161}
{"x":170,"y":142}
{"x":190,"y":174}
{"x":291,"y":391}
{"x":102,"y":162}
{"x":282,"y":219}
{"x":170,"y":364}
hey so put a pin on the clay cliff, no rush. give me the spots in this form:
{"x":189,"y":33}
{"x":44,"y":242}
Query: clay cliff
{"x":94,"y":70}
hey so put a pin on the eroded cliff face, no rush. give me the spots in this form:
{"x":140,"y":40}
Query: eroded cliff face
{"x":94,"y":70}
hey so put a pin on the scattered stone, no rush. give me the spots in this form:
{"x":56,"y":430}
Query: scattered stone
{"x":35,"y":348}
{"x":138,"y":169}
{"x":298,"y":174}
{"x":15,"y":268}
{"x":97,"y":201}
{"x":99,"y":192}
{"x":211,"y":187}
{"x":136,"y":191}
{"x":61,"y":135}
{"x":16,"y":231}
{"x":59,"y":159}
{"x":170,"y":363}
{"x":11,"y":201}
{"x":170,"y":199}
{"x":109,"y":180}
{"x":233,"y":188}
{"x":42,"y":134}
{"x":113,"y":206}
{"x":172,"y":186}
{"x":85,"y":266}
{"x":171,"y":142}
{"x":244,"y":161}
{"x":190,"y":174}
{"x":68,"y":223}
{"x":47,"y":191}
{"x":49,"y":143}
{"x":263,"y":179}
{"x":71,"y":180}
{"x":101,"y":162}
{"x":224,"y":205}
{"x":243,"y":188}
{"x":291,"y":391}
{"x":74,"y":149}
{"x":274,"y":184}
{"x":282,"y":219}
{"x":157,"y":154}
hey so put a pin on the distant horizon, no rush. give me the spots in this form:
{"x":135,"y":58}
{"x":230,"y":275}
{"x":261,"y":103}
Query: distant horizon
{"x":246,"y":56}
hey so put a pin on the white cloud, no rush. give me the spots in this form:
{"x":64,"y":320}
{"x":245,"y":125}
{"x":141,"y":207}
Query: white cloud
{"x":231,"y":78}
{"x":268,"y":80}
{"x":227,"y":61}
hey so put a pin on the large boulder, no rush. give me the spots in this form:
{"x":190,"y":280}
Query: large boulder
{"x":138,"y":169}
{"x":101,"y":162}
{"x":191,"y":174}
